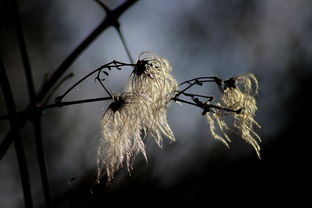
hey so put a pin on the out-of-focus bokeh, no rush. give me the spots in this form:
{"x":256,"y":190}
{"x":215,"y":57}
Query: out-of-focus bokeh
{"x":270,"y":38}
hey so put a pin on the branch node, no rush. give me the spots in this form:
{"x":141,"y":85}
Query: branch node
{"x":58,"y":99}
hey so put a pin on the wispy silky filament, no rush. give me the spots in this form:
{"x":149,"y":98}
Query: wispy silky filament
{"x":121,"y":129}
{"x":141,"y":109}
{"x":141,"y":112}
{"x":156,"y":85}
{"x":153,"y":79}
{"x":240,"y":96}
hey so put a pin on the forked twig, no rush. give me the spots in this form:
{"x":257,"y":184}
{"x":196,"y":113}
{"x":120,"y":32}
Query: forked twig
{"x":108,"y":66}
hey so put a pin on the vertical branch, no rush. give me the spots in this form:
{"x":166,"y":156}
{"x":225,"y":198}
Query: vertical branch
{"x":20,"y":153}
{"x":24,"y":54}
{"x":124,"y":43}
{"x":116,"y":24}
{"x":41,"y":160}
{"x":32,"y":98}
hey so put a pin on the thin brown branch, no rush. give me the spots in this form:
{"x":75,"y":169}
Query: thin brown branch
{"x":66,"y":103}
{"x":206,"y":107}
{"x":185,"y":101}
{"x":210,"y":98}
{"x":48,"y":97}
{"x":109,"y":66}
{"x":202,"y":79}
{"x":124,"y":43}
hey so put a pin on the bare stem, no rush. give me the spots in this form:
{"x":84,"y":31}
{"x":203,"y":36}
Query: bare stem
{"x":47,"y":98}
{"x":124,"y":43}
{"x":184,"y":101}
{"x":188,"y":87}
{"x":108,"y":66}
{"x":19,"y":148}
{"x":66,"y":103}
{"x":36,"y":120}
{"x":106,"y":90}
{"x":202,"y":79}
{"x":210,"y":98}
{"x":205,"y":106}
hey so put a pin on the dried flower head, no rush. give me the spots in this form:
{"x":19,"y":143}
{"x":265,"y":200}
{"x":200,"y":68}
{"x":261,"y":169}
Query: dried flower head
{"x":121,"y":129}
{"x":239,"y":93}
{"x":142,"y":108}
{"x":153,"y":82}
{"x":152,"y":78}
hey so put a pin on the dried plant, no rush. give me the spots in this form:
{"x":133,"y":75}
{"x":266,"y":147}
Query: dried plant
{"x":238,"y":94}
{"x":121,"y":126}
{"x":140,"y":112}
{"x":141,"y":109}
{"x":153,"y":82}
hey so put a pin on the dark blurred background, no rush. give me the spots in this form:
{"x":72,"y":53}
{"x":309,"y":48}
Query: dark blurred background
{"x":270,"y":38}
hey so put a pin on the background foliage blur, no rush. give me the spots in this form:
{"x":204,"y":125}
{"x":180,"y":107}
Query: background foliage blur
{"x":270,"y":38}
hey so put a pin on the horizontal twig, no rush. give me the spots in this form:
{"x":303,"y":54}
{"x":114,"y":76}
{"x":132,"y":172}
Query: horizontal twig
{"x":66,"y":103}
{"x":202,"y":79}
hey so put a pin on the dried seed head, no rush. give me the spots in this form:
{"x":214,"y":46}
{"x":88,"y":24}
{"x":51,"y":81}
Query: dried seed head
{"x":153,"y":82}
{"x":152,"y":79}
{"x":142,"y":108}
{"x":121,"y":131}
{"x":239,"y":96}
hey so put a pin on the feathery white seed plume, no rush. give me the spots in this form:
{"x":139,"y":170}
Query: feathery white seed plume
{"x":152,"y":81}
{"x":235,"y":98}
{"x":142,"y":108}
{"x":121,"y":129}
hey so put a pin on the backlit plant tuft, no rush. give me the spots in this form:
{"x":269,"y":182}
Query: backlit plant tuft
{"x":140,"y":112}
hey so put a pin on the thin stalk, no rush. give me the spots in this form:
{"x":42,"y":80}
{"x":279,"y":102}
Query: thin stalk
{"x":212,"y":79}
{"x":66,"y":103}
{"x":188,"y":87}
{"x":41,"y":161}
{"x":47,"y":98}
{"x":106,"y":90}
{"x":23,"y":50}
{"x":32,"y":98}
{"x":185,"y":101}
{"x":113,"y":64}
{"x":19,"y":148}
{"x":197,"y":95}
{"x":59,"y":98}
{"x":205,"y":106}
{"x":124,"y":43}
